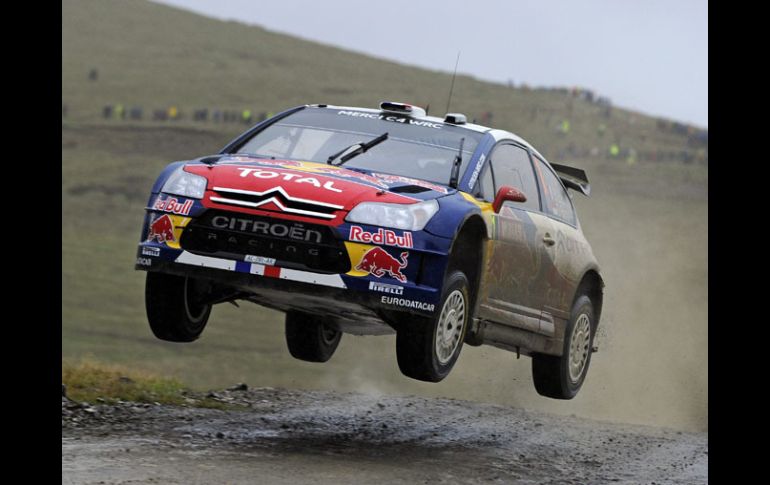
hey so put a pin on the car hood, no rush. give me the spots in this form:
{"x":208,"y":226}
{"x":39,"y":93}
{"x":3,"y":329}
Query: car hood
{"x":304,"y":189}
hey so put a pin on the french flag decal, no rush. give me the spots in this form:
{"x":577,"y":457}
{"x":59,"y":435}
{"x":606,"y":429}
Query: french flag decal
{"x":267,"y":271}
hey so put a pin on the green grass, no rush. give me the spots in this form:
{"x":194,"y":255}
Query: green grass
{"x":91,"y":381}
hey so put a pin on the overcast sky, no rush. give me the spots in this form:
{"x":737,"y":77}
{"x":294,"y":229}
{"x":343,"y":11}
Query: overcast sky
{"x":647,"y":55}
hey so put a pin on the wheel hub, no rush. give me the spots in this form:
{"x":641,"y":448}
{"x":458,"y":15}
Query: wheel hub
{"x":192,"y":293}
{"x":328,"y":334}
{"x":579,"y":347}
{"x":450,"y":326}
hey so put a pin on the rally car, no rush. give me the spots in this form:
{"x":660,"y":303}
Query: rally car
{"x":374,"y":221}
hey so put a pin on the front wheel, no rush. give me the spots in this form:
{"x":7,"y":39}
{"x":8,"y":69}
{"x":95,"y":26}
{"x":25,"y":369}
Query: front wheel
{"x":562,"y":377}
{"x":174,"y":308}
{"x":427,"y":348}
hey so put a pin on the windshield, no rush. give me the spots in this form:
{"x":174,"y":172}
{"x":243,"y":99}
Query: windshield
{"x":414,"y":148}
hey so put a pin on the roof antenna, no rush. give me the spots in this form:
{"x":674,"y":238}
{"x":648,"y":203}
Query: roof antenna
{"x":448,"y":101}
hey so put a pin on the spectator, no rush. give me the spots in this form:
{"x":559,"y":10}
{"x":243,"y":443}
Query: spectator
{"x":701,"y":155}
{"x":631,"y":156}
{"x":614,"y":150}
{"x":120,"y":112}
{"x":107,"y":112}
{"x":135,"y":113}
{"x":201,"y":115}
{"x":93,"y":75}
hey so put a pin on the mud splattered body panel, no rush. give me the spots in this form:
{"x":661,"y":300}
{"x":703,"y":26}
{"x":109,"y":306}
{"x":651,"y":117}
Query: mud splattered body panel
{"x":527,"y":284}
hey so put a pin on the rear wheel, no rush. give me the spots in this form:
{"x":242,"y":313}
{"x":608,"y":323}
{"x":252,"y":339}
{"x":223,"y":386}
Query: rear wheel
{"x":562,"y":377}
{"x":174,"y":306}
{"x":427,"y":348}
{"x":309,"y":338}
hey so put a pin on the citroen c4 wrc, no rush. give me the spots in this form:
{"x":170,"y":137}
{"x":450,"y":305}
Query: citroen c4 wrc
{"x":375,"y":221}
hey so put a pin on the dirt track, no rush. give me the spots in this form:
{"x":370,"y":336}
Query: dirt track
{"x":279,"y":436}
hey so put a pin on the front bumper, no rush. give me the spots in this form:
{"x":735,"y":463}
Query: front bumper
{"x":343,"y":269}
{"x":339,"y":295}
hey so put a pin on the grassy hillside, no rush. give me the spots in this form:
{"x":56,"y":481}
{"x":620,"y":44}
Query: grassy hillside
{"x":648,"y":222}
{"x":155,"y":56}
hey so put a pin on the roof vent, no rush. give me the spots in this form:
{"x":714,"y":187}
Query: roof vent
{"x":402,"y":108}
{"x":455,"y":118}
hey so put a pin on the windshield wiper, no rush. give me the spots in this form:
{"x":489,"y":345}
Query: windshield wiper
{"x":456,"y":166}
{"x":360,"y":148}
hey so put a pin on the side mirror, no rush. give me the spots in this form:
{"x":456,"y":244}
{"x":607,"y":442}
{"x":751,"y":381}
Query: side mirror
{"x":506,"y":192}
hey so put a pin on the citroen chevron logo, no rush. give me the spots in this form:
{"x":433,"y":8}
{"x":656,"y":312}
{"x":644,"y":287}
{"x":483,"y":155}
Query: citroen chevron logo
{"x":272,"y":195}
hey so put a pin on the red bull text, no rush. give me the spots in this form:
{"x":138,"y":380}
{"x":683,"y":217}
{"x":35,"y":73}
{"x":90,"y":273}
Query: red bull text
{"x":382,"y":236}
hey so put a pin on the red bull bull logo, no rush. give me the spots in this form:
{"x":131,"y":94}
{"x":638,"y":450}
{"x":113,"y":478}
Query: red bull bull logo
{"x":281,"y":163}
{"x":341,"y":172}
{"x":318,"y":168}
{"x":406,"y":180}
{"x":161,"y":229}
{"x":377,"y":262}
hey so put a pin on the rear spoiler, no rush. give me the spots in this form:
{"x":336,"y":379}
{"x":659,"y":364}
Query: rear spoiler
{"x":573,"y":178}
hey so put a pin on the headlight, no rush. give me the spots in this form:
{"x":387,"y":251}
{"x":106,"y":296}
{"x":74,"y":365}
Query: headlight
{"x":185,"y":184}
{"x":411,"y":217}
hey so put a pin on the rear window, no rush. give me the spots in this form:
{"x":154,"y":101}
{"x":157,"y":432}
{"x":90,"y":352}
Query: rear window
{"x":555,"y":197}
{"x":414,"y":148}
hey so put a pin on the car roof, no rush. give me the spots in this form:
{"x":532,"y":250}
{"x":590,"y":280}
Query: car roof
{"x":497,"y":134}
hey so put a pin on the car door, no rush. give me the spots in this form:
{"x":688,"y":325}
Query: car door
{"x":514,"y":277}
{"x":561,"y":269}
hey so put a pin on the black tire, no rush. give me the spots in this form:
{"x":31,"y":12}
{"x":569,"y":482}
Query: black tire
{"x":416,"y":348}
{"x":309,"y":338}
{"x":173,"y":307}
{"x":551,"y":374}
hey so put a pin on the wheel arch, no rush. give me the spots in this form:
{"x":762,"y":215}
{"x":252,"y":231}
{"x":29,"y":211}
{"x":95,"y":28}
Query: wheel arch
{"x":592,"y":285}
{"x":469,"y":241}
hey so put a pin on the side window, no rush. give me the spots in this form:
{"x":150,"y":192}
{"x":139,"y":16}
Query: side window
{"x":512,"y":167}
{"x":555,"y":198}
{"x":486,"y":189}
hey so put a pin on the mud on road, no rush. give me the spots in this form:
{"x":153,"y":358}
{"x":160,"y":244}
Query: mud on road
{"x":279,"y":436}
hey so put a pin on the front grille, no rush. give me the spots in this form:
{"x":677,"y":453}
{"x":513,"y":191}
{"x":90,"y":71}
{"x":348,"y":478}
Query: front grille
{"x":292,"y":244}
{"x":278,"y":197}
